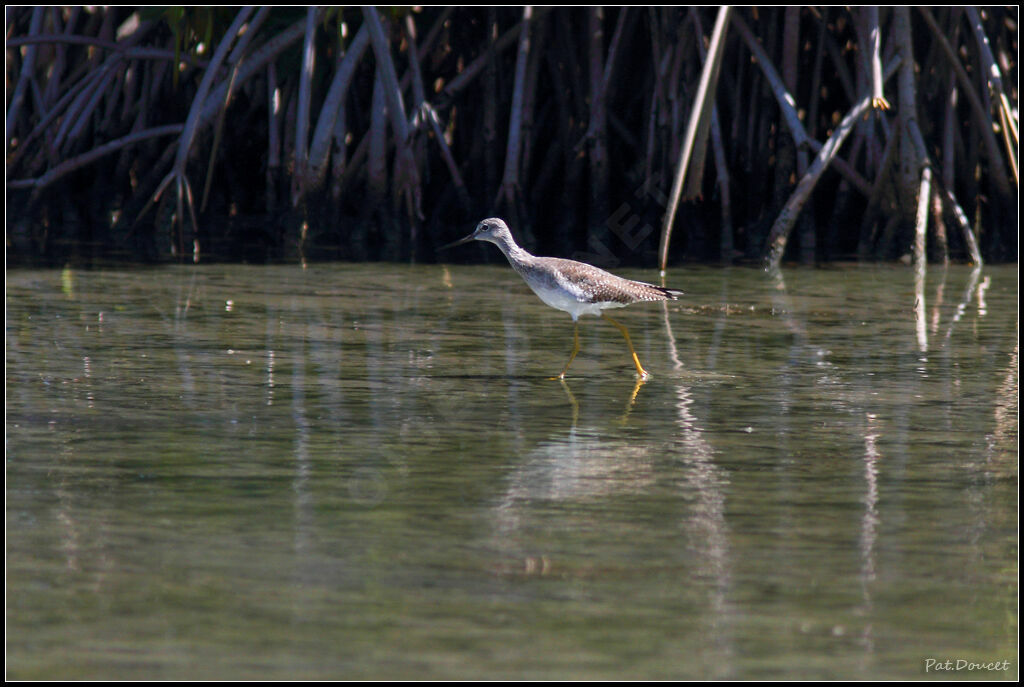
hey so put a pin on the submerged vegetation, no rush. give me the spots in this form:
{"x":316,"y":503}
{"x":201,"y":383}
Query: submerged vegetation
{"x":815,"y":133}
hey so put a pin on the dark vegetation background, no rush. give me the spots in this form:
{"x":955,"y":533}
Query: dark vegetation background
{"x":211,"y":133}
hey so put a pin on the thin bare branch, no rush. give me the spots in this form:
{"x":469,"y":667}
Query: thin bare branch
{"x":995,"y":84}
{"x":784,"y":222}
{"x":699,"y":123}
{"x":878,"y":100}
{"x":304,"y":106}
{"x":56,"y":173}
{"x":981,"y":116}
{"x":510,"y":178}
{"x":334,"y":102}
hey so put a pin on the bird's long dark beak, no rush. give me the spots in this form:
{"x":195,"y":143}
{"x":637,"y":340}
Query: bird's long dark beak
{"x":459,"y":242}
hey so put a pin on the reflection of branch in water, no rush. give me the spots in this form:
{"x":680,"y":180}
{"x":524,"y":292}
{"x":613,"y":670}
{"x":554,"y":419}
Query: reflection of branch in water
{"x":705,"y":478}
{"x":705,"y":523}
{"x":919,"y":311}
{"x":982,"y":307}
{"x":782,"y":304}
{"x":673,"y":352}
{"x":968,"y":294}
{"x":869,"y":524}
{"x":303,"y":499}
{"x":716,"y":338}
{"x":513,"y":358}
{"x":181,"y":338}
{"x":719,"y":330}
{"x":940,"y":290}
{"x":1003,"y":450}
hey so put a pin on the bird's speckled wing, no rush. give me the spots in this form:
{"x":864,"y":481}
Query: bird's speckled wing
{"x":593,"y":285}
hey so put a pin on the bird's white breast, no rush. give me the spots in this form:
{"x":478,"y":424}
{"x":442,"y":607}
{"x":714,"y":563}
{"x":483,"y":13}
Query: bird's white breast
{"x":571,"y":300}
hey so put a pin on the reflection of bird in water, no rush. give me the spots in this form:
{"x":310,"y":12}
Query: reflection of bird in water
{"x":543,"y":495}
{"x":575,"y":287}
{"x":576,"y":466}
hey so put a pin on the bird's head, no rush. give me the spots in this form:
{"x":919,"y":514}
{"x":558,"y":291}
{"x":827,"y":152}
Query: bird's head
{"x":492,"y":229}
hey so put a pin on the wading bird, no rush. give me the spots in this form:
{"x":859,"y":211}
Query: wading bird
{"x":575,"y":287}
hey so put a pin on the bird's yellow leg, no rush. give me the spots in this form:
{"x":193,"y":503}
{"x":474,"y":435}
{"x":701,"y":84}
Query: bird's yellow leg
{"x":636,"y":361}
{"x":575,"y":350}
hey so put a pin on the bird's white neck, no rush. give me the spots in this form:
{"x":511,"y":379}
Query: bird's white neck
{"x":511,"y":249}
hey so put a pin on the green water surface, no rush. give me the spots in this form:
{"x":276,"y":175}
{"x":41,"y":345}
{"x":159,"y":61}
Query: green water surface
{"x":365,"y":472}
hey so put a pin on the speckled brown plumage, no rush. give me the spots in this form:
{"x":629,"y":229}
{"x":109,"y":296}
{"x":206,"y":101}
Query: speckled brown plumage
{"x":600,"y":286}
